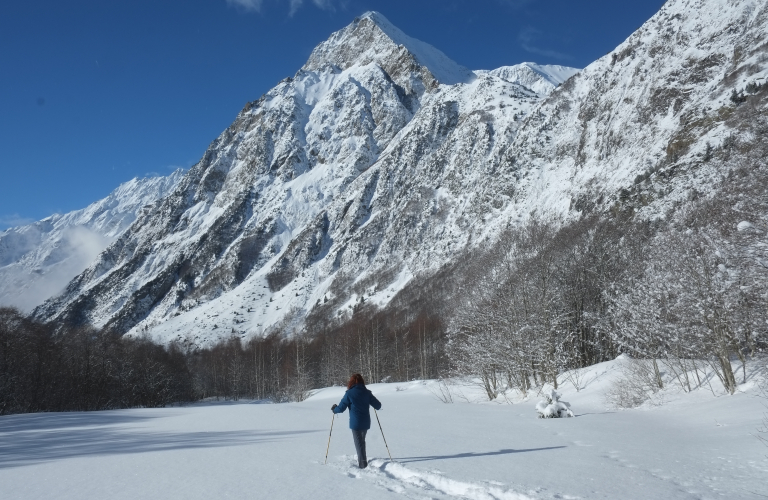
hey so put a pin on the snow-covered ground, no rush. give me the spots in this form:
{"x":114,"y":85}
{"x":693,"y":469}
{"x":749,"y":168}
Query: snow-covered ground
{"x":695,"y":445}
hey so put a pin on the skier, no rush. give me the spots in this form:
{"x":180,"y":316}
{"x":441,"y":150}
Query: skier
{"x":358,"y":399}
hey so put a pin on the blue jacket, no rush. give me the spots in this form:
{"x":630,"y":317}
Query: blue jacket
{"x":358,"y":398}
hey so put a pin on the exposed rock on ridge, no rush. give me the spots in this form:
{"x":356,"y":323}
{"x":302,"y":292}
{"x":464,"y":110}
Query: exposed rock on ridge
{"x":373,"y":39}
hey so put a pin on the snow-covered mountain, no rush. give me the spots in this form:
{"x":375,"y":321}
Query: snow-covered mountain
{"x":381,"y":160}
{"x":371,"y":38}
{"x":363,"y":163}
{"x":38,"y":260}
{"x":541,"y":78}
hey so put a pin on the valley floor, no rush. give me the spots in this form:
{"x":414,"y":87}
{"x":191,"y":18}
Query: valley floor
{"x":694,"y":446}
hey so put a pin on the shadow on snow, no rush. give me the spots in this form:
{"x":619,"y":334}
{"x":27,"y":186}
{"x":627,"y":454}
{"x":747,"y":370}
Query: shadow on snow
{"x":473,"y":455}
{"x":30,"y":439}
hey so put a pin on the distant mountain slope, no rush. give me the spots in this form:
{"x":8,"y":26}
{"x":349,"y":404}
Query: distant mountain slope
{"x":541,"y":78}
{"x":367,"y":168}
{"x":38,"y":260}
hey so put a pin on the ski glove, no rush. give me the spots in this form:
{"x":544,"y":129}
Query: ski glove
{"x":334,"y":407}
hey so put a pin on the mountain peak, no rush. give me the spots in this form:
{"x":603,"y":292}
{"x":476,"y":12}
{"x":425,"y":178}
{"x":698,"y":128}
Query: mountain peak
{"x":376,"y":17}
{"x":371,"y":38}
{"x":541,"y":78}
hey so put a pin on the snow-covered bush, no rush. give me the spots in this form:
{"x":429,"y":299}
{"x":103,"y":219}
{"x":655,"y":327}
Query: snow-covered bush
{"x":552,"y":407}
{"x":638,"y":382}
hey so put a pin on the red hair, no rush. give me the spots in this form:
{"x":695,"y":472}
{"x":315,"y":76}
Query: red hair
{"x":354,"y":380}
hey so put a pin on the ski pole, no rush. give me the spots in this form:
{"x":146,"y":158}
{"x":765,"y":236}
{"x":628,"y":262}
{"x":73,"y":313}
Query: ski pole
{"x":382,"y":434}
{"x":329,"y":439}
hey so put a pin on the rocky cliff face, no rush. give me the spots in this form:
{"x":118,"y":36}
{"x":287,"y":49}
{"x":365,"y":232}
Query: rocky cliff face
{"x":382,"y":160}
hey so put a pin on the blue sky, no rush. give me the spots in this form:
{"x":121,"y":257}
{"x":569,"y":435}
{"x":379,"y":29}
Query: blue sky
{"x":94,"y":92}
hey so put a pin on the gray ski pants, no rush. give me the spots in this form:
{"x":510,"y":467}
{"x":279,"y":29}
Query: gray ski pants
{"x":359,"y":438}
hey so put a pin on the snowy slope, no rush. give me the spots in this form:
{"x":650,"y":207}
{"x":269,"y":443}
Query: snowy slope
{"x":365,"y":169}
{"x":38,"y":260}
{"x":647,"y":109}
{"x":697,"y":446}
{"x":541,"y":78}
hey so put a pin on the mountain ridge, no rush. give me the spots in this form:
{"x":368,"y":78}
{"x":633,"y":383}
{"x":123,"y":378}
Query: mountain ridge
{"x":342,"y":184}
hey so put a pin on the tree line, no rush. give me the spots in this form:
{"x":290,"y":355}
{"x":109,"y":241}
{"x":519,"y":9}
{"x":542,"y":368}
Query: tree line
{"x":84,"y":369}
{"x":686,"y":291}
{"x":47,"y":368}
{"x":287,"y":368}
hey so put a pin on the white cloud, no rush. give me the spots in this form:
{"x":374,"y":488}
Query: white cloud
{"x":14,"y":220}
{"x":529,"y":35}
{"x":76,"y":249}
{"x":324,"y":4}
{"x":293,"y":5}
{"x":320,"y":4}
{"x":252,"y":5}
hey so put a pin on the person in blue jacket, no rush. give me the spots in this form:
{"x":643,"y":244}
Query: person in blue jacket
{"x":358,"y":398}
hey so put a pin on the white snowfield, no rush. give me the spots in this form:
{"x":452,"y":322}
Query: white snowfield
{"x":694,"y":446}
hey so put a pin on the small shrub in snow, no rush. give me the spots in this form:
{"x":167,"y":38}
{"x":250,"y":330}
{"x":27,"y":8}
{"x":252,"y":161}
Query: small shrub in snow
{"x":552,"y":407}
{"x":640,"y":381}
{"x":443,"y":391}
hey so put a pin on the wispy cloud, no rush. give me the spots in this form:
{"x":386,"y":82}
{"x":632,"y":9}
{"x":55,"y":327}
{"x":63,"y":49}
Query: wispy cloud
{"x":250,"y":5}
{"x":77,"y":248}
{"x":14,"y":220}
{"x":528,"y":38}
{"x":294,"y":5}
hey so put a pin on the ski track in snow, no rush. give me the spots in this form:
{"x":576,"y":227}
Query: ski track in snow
{"x":410,"y":483}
